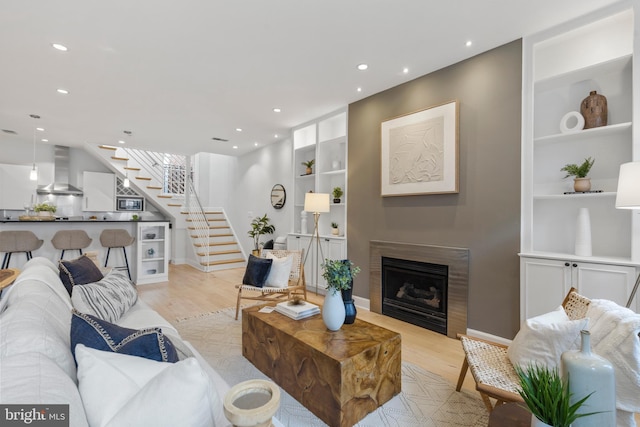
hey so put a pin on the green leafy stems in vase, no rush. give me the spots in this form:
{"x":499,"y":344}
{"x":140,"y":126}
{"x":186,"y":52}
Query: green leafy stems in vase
{"x":548,"y":397}
{"x":339,"y":274}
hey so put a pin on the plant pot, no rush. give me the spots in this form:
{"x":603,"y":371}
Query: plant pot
{"x":335,"y":231}
{"x":333,"y":312}
{"x":255,"y":252}
{"x":336,"y":200}
{"x":581,"y":184}
{"x":309,"y":171}
{"x":45,"y":213}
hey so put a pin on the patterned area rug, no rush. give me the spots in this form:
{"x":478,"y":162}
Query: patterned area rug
{"x":426,"y":400}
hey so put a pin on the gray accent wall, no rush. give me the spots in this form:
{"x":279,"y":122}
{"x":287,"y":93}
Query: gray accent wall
{"x":485,"y":215}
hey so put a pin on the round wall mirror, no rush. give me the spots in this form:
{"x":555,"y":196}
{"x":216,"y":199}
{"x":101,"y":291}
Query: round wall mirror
{"x":278,"y":196}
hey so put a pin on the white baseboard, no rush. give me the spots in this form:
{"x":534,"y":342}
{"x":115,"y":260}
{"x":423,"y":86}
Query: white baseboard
{"x":361,"y":302}
{"x":488,"y":337}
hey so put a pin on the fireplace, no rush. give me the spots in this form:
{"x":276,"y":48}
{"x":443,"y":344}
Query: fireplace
{"x":415,"y":292}
{"x":429,"y":284}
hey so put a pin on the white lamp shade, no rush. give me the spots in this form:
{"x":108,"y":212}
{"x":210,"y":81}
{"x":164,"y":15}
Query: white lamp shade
{"x":628,"y":196}
{"x":316,"y":202}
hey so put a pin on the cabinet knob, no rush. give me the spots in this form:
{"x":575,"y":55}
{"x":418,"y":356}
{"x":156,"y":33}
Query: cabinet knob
{"x":574,"y":265}
{"x":566,"y":264}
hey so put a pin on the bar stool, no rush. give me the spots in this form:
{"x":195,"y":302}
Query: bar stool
{"x":70,"y":240}
{"x":18,"y":241}
{"x":117,"y":238}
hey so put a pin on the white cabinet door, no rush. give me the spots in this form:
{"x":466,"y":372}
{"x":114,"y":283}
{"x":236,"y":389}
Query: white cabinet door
{"x":99,"y":191}
{"x":545,"y":283}
{"x":16,"y":190}
{"x":602,"y":281}
{"x":296,"y":243}
{"x":331,"y":249}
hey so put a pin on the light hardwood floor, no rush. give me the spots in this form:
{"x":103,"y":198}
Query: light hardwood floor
{"x":190,"y":292}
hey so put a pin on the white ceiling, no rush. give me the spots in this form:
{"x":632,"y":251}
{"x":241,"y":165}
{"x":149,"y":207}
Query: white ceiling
{"x":178,"y":72}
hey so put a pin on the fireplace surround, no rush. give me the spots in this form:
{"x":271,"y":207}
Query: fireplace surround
{"x":456,"y":261}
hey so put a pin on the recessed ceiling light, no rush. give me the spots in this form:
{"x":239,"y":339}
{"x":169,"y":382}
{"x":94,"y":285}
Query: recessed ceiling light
{"x":276,"y":110}
{"x":275,"y":136}
{"x":121,"y":141}
{"x":238,"y":130}
{"x":255,"y":144}
{"x":468,"y":43}
{"x":235,"y":147}
{"x":405,"y":70}
{"x":59,"y":47}
{"x":359,"y":89}
{"x":63,"y":91}
{"x":40,"y":129}
{"x":362,"y":67}
{"x":44,"y":140}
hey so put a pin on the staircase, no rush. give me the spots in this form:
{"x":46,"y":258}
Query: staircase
{"x":164,"y":180}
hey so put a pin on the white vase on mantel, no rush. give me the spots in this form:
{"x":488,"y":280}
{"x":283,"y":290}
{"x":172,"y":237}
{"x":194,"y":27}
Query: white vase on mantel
{"x":333,"y":312}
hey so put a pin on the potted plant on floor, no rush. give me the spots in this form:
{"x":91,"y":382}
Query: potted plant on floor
{"x":309,"y":165}
{"x":45,"y":209}
{"x":259,"y":227}
{"x":547,"y":396}
{"x":338,"y":308}
{"x":581,"y":182}
{"x":337,"y":193}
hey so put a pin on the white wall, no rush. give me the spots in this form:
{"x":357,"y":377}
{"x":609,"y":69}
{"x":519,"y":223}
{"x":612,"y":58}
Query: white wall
{"x":257,"y":173}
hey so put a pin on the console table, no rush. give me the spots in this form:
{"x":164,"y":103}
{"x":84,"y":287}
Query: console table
{"x":339,"y":376}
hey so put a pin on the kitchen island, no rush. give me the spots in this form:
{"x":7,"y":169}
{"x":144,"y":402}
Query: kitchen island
{"x":148,"y":256}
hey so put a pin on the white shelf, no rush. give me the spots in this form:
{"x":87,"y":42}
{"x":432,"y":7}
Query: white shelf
{"x":616,"y":65}
{"x":604,"y":194}
{"x":599,"y":132}
{"x":578,"y":258}
{"x":159,"y":260}
{"x":334,"y":172}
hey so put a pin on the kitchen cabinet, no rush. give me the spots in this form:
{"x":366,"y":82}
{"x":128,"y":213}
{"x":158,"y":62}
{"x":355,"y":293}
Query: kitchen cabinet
{"x":16,"y":190}
{"x":99,"y":192}
{"x":153,"y":252}
{"x":545,"y":282}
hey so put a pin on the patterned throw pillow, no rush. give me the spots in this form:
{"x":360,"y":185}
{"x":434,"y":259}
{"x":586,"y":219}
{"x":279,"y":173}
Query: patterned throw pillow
{"x":257,"y":271}
{"x":108,"y":298}
{"x":96,"y":333}
{"x":78,"y":271}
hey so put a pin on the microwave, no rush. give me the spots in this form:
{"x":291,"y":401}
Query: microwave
{"x":131,"y":204}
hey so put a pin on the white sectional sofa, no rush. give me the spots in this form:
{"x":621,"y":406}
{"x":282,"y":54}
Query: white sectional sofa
{"x":37,"y":365}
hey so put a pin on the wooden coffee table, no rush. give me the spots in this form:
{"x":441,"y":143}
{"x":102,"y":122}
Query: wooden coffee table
{"x":510,"y":414}
{"x":339,"y":376}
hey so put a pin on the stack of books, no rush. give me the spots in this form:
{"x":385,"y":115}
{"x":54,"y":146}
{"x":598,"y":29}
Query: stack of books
{"x":297,"y":312}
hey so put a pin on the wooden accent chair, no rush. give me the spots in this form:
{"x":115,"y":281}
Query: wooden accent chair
{"x":492,"y":370}
{"x":296,"y":282}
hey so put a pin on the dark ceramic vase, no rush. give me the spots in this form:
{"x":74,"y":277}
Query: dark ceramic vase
{"x":349,"y":306}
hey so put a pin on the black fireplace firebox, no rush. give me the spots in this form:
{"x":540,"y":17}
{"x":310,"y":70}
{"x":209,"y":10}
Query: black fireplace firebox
{"x":415,"y":292}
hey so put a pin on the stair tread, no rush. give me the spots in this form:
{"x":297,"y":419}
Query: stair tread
{"x":206,"y":213}
{"x":213,"y":253}
{"x":144,"y":178}
{"x":153,"y":187}
{"x":174,"y":204}
{"x":120,"y":158}
{"x":131,"y":169}
{"x":224,"y":261}
{"x":107,"y":147}
{"x":208,"y":219}
{"x":164,"y":196}
{"x":211,"y":227}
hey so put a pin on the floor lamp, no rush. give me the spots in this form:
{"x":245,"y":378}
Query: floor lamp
{"x":317,"y":203}
{"x":628,"y":197}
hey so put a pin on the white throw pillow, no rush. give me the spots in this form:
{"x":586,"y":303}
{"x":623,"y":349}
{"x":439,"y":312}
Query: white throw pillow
{"x":280,"y":270}
{"x":543,"y":339}
{"x":122,"y":390}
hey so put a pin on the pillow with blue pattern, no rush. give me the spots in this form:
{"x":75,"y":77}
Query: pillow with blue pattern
{"x":96,"y":333}
{"x":257,"y":271}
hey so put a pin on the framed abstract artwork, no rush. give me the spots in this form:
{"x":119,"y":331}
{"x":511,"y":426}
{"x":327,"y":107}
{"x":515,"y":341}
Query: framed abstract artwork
{"x":420,"y":152}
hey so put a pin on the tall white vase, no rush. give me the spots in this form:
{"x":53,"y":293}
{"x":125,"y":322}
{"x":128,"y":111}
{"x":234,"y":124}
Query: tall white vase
{"x":303,"y":222}
{"x":583,"y":233}
{"x":537,"y":423}
{"x":333,"y":312}
{"x":590,"y":373}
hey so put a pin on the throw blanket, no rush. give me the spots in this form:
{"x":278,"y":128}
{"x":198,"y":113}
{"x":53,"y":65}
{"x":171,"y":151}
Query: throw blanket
{"x":614,"y":336}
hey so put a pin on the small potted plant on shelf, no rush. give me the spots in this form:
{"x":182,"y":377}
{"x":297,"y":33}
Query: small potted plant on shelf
{"x":309,"y":165}
{"x":581,"y":182}
{"x":260,"y":226}
{"x":334,"y":229}
{"x":548,"y":397}
{"x":45,"y":209}
{"x":337,"y":193}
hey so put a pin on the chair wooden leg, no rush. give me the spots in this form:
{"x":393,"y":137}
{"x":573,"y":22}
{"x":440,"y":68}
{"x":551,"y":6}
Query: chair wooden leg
{"x":486,"y":401}
{"x":238,"y":303}
{"x":463,"y":373}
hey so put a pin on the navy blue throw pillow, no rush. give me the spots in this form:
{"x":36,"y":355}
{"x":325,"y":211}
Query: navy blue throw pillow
{"x":79,"y":271}
{"x":99,"y":334}
{"x":257,"y":271}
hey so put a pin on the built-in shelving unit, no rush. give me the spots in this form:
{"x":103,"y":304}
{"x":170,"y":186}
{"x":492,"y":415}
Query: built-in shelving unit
{"x":561,"y":67}
{"x":153,"y":252}
{"x":325,"y":141}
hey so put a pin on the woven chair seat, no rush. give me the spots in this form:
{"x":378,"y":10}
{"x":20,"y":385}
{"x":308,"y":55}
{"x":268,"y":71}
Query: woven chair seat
{"x":266,"y":289}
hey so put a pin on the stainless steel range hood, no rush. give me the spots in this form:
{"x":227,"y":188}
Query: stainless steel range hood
{"x":60,"y":185}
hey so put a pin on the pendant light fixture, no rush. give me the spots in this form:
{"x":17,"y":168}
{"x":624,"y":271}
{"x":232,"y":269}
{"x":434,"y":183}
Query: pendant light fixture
{"x":33,"y":175}
{"x":125,"y":183}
